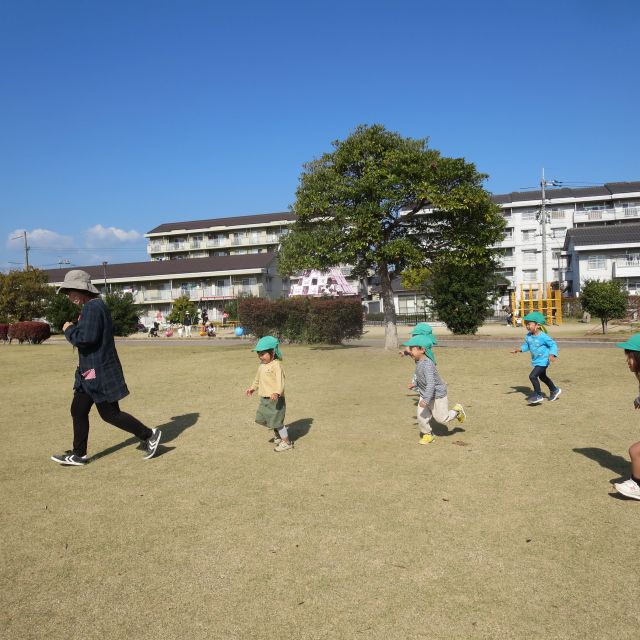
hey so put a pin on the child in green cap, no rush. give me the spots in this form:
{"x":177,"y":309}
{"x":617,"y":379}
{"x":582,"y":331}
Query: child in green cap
{"x":543,"y":350}
{"x":631,"y":487}
{"x":432,"y":389}
{"x":269,"y":382}
{"x":421,"y":329}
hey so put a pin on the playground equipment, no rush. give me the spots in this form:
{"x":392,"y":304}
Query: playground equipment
{"x":529,"y":297}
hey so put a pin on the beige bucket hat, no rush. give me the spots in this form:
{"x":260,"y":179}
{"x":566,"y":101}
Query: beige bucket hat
{"x":79,"y":280}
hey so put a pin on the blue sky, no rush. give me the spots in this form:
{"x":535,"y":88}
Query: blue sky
{"x":118,"y":116}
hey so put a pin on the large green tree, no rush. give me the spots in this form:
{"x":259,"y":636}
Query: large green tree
{"x":605,"y":300}
{"x":364,"y":204}
{"x":61,"y":310}
{"x":124,"y":312}
{"x":180,"y":307}
{"x":24,"y":295}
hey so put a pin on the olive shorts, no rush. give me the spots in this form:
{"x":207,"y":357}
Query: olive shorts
{"x":271,"y":413}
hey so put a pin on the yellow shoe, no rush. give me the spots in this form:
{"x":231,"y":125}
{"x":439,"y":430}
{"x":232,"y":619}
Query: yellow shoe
{"x":460,"y":411}
{"x":426,"y":438}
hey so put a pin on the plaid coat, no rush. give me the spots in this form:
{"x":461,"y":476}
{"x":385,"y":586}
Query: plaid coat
{"x":99,"y":373}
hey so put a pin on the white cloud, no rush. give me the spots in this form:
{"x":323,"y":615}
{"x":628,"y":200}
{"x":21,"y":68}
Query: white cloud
{"x":40,"y":238}
{"x":104,"y":236}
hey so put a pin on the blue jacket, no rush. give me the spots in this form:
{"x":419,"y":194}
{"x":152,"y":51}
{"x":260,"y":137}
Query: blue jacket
{"x":99,"y":372}
{"x":541,"y":347}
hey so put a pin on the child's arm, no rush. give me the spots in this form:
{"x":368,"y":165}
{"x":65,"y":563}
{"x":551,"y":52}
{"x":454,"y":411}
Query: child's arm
{"x":428,"y":389}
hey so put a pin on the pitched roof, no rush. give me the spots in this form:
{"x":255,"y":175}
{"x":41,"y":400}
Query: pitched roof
{"x":236,"y":221}
{"x":607,"y":190}
{"x":609,"y":234}
{"x":168,"y":268}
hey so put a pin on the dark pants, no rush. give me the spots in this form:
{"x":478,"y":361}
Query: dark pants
{"x":540,"y":373}
{"x":109,"y":412}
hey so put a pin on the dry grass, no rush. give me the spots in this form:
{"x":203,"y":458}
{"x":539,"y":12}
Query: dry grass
{"x":507,"y":529}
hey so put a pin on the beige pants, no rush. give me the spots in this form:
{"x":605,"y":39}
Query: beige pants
{"x":438,"y":409}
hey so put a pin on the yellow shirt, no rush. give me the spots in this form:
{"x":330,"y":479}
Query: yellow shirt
{"x":269,"y":379}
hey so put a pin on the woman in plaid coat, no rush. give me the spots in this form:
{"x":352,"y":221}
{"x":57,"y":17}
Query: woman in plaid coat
{"x":99,"y":379}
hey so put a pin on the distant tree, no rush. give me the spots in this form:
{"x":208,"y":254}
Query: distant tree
{"x":124,"y":312}
{"x":24,"y":295}
{"x":462,"y":296}
{"x":363,"y":204}
{"x":61,"y":310}
{"x":181,"y":306}
{"x":605,"y":300}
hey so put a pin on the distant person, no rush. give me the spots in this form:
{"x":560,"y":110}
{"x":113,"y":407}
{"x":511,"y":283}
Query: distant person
{"x":631,"y":488}
{"x":269,"y":383}
{"x":99,"y":379}
{"x":187,"y":325}
{"x":434,"y":403}
{"x":543,"y":351}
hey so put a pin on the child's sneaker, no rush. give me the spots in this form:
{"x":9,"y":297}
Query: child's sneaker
{"x":276,"y":439}
{"x":426,"y":438}
{"x":459,"y":409}
{"x":555,"y":394}
{"x":70,"y":459}
{"x":628,"y":488}
{"x":283,"y":446}
{"x":536,"y":398}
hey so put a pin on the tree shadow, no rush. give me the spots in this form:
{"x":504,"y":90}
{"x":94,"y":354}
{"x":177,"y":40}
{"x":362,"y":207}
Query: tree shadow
{"x":605,"y":459}
{"x":335,"y":347}
{"x":299,"y":428}
{"x":170,"y":431}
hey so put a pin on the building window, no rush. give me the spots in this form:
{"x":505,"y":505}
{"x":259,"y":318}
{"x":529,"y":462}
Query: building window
{"x":558,"y":232}
{"x":530,"y":275}
{"x":557,"y":214}
{"x":597,"y":263}
{"x":529,"y":256}
{"x":508,"y":233}
{"x":528,"y":235}
{"x":529,"y":214}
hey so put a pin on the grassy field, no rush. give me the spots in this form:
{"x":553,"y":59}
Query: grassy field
{"x":505,"y":527}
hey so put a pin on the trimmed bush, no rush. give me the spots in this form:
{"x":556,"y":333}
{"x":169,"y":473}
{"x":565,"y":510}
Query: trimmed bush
{"x":30,"y":331}
{"x":302,"y":319}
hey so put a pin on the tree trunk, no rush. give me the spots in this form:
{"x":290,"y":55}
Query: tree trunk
{"x":390,"y":329}
{"x":604,"y":326}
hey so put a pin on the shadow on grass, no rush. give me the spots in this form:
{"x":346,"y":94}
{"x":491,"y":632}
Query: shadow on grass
{"x":605,"y":459}
{"x":299,"y":428}
{"x":336,"y":347}
{"x":442,"y":430}
{"x":170,"y":431}
{"x":525,"y":391}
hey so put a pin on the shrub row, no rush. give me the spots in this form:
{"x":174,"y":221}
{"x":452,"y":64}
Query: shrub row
{"x":4,"y":332}
{"x":33,"y":332}
{"x":301,"y":319}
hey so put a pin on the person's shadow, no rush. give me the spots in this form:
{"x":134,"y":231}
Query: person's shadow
{"x":170,"y":431}
{"x":299,"y":428}
{"x":605,"y":459}
{"x":526,"y":391}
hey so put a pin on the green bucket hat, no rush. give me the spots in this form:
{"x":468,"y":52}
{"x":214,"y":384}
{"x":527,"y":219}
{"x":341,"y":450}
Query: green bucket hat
{"x":426,"y":342}
{"x":535,"y":316}
{"x":632,"y":344}
{"x":266,"y":343}
{"x":424,"y":329}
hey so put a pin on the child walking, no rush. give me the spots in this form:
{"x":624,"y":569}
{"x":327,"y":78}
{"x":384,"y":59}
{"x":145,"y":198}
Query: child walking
{"x":543,"y":350}
{"x":421,"y":329}
{"x":269,"y":382}
{"x":432,"y":389}
{"x":631,"y":487}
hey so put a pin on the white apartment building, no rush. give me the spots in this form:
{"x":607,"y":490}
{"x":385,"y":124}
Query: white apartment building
{"x":239,"y":235}
{"x":604,"y":253}
{"x":612,"y":204}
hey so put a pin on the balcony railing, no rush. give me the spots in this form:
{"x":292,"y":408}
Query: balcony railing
{"x":617,"y":213}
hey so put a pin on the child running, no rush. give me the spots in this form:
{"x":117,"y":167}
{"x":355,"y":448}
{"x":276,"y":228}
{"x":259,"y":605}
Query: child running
{"x":631,"y":488}
{"x":543,"y":351}
{"x":269,"y":382}
{"x":421,"y":329}
{"x":432,"y":389}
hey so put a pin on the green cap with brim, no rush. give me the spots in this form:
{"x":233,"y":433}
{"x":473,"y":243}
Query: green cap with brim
{"x":419,"y":341}
{"x":266,"y":343}
{"x":535,"y":316}
{"x":424,"y":329}
{"x":632,"y":344}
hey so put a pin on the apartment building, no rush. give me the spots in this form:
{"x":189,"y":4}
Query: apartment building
{"x":611,"y":204}
{"x":209,"y":282}
{"x":239,"y":235}
{"x":604,"y":253}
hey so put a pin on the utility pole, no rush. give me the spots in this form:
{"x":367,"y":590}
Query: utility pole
{"x":543,"y":227}
{"x":104,"y":271}
{"x":27,"y":248}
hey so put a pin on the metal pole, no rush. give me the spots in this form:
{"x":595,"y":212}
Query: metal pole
{"x":26,"y":252}
{"x":104,"y":271}
{"x":543,"y":222}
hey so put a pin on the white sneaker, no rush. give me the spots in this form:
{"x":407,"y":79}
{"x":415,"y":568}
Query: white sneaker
{"x":283,"y":446}
{"x":628,"y":488}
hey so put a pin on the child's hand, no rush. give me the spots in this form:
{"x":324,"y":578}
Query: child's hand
{"x":274,"y":396}
{"x":422,"y":404}
{"x":636,"y":403}
{"x":411,"y":385}
{"x":551,"y":358}
{"x":515,"y":351}
{"x":66,"y":325}
{"x":249,"y":392}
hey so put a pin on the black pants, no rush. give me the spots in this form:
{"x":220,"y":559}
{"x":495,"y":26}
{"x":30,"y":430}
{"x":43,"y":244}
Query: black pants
{"x":540,"y":373}
{"x":109,"y":412}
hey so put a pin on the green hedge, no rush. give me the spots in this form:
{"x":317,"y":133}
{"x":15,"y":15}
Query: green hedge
{"x":301,"y":319}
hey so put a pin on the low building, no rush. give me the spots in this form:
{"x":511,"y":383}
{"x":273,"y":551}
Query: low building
{"x":603,"y":253}
{"x":209,"y":282}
